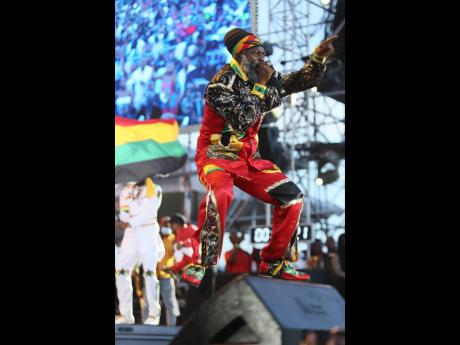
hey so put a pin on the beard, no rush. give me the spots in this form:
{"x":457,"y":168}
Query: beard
{"x":250,"y":68}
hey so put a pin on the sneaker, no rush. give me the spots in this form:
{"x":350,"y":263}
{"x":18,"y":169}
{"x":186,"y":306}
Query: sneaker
{"x":151,"y":320}
{"x":281,"y":269}
{"x":123,"y":320}
{"x":194,"y":275}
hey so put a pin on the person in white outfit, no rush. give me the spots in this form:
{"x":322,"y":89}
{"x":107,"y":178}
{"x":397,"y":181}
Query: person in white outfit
{"x":139,"y":204}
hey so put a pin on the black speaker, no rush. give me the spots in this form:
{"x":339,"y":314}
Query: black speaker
{"x":144,"y":334}
{"x":256,"y":310}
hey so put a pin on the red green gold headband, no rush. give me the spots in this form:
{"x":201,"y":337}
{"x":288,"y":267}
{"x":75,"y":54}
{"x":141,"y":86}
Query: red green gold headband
{"x":246,"y":43}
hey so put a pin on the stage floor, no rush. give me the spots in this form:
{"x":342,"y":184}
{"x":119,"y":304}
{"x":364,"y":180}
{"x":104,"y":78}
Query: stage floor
{"x":144,"y":334}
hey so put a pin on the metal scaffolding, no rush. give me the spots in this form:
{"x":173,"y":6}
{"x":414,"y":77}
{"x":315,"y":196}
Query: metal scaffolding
{"x":294,"y":28}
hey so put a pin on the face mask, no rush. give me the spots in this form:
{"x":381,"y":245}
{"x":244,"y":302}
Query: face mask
{"x":165,"y":230}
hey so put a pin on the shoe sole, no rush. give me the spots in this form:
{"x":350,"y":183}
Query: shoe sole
{"x":292,"y":280}
{"x":264,"y":276}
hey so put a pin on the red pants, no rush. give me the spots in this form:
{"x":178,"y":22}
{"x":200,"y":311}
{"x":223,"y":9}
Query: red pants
{"x":270,"y":186}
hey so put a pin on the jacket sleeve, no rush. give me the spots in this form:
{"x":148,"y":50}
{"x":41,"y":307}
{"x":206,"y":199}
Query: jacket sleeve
{"x":305,"y":78}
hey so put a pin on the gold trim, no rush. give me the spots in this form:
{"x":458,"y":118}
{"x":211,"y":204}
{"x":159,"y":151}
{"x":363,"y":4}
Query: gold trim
{"x":208,"y":167}
{"x":274,"y":170}
{"x":292,"y":202}
{"x":278,"y":268}
{"x":258,"y":94}
{"x":277,"y":184}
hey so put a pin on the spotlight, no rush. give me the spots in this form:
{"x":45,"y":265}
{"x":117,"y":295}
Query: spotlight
{"x":327,"y":171}
{"x":327,"y":156}
{"x":327,"y":177}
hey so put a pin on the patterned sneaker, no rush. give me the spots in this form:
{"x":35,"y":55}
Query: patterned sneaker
{"x":194,"y":275}
{"x":281,"y":269}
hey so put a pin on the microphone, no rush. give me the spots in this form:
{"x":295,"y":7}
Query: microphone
{"x":274,"y":81}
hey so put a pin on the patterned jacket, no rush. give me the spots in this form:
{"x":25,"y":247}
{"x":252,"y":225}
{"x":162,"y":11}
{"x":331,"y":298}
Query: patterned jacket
{"x":233,"y":112}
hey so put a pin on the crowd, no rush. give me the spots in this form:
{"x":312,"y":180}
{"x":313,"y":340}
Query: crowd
{"x":166,"y":51}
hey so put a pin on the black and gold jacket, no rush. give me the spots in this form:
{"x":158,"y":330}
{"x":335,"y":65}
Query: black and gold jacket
{"x":233,"y":112}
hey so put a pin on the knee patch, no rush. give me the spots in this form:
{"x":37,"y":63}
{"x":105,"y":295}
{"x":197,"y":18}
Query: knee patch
{"x":286,"y":192}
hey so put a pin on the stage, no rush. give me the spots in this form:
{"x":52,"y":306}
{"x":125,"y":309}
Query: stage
{"x":144,"y":334}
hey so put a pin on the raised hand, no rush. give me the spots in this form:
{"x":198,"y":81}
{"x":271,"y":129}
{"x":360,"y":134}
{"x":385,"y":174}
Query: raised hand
{"x":326,"y":48}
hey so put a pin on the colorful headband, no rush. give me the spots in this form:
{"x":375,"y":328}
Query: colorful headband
{"x":246,"y":43}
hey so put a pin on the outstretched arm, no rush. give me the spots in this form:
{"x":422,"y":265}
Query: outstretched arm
{"x":311,"y":73}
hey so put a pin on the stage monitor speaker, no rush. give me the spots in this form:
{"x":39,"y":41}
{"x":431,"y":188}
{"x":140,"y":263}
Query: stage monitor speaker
{"x":144,"y":334}
{"x":256,"y":310}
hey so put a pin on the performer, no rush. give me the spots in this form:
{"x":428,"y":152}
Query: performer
{"x":227,"y":155}
{"x":139,"y":204}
